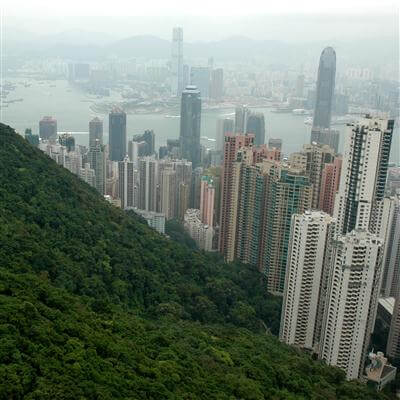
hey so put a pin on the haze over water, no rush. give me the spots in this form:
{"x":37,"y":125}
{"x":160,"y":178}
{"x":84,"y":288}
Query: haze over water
{"x":71,"y":107}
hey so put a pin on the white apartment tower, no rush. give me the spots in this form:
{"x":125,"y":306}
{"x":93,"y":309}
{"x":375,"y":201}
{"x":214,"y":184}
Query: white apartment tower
{"x":126,"y":182}
{"x":350,"y":310}
{"x":364,"y":172}
{"x":306,"y":277}
{"x":148,"y":183}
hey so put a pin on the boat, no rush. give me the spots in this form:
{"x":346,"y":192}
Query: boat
{"x":172,"y":116}
{"x":300,"y":111}
{"x":282,"y":110}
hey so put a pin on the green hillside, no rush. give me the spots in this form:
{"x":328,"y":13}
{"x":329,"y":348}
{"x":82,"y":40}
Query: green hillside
{"x":96,"y":305}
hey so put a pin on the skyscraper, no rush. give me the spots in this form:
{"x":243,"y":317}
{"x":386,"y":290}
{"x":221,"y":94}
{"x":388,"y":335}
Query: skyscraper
{"x":200,"y":77}
{"x":217,"y":84}
{"x":231,"y":146}
{"x":67,"y":140}
{"x":117,"y":134}
{"x":305,"y":285}
{"x":177,"y":62}
{"x":313,"y":159}
{"x":168,"y":193}
{"x":48,"y":128}
{"x":352,"y":301}
{"x":207,"y":197}
{"x":256,"y":124}
{"x":246,"y":207}
{"x":364,"y":172}
{"x":126,"y":183}
{"x":288,"y":191}
{"x":329,"y":185}
{"x":97,"y":162}
{"x":190,"y":126}
{"x":148,"y":184}
{"x":241,"y":115}
{"x":224,"y":126}
{"x":391,"y":272}
{"x":147,"y":139}
{"x":325,"y":88}
{"x":95,"y":131}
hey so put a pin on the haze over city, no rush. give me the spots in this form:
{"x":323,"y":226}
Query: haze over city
{"x":199,"y":200}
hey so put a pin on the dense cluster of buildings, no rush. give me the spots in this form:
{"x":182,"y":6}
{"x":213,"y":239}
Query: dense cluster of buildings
{"x":323,"y":228}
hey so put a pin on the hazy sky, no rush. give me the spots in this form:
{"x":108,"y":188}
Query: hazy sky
{"x":44,"y":8}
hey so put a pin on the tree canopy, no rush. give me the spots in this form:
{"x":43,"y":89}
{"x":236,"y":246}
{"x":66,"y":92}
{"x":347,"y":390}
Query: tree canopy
{"x":94,"y":304}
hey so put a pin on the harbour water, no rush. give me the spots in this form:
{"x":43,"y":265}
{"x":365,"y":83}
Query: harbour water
{"x":71,"y":107}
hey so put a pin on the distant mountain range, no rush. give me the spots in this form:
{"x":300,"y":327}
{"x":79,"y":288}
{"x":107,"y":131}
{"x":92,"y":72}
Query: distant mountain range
{"x":92,"y":46}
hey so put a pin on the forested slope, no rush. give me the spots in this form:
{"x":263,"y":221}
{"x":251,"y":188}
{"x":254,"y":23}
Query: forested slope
{"x":96,"y":305}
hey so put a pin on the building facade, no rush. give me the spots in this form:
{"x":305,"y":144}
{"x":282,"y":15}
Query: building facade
{"x":189,"y":137}
{"x":351,"y":305}
{"x":117,"y":135}
{"x":325,"y":88}
{"x":306,"y":275}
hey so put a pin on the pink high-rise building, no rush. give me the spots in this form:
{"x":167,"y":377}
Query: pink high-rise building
{"x":330,"y":185}
{"x":207,"y":196}
{"x":263,"y":152}
{"x":232,"y":143}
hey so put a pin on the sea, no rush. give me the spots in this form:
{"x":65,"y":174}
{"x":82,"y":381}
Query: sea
{"x":71,"y":107}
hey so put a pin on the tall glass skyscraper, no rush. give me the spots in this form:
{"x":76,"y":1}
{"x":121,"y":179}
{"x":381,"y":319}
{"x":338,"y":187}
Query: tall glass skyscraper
{"x":117,"y":135}
{"x":325,"y":89}
{"x":177,"y":62}
{"x":189,"y":137}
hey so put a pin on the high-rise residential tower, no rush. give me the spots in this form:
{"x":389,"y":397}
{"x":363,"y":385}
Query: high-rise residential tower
{"x":117,"y":134}
{"x":126,"y":183}
{"x":207,"y":197}
{"x":177,"y":62}
{"x":95,"y":131}
{"x":391,"y":225}
{"x":148,"y":184}
{"x":330,"y":179}
{"x":189,"y":136}
{"x":325,"y":88}
{"x":313,"y":159}
{"x":306,"y":275}
{"x":97,"y":162}
{"x":351,"y":304}
{"x":364,"y":172}
{"x":168,"y":193}
{"x":232,"y":144}
{"x":287,"y":191}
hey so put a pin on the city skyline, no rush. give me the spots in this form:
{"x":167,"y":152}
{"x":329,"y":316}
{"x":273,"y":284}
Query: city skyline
{"x":252,"y":183}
